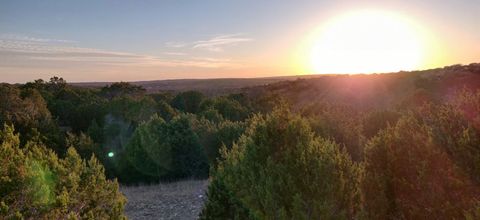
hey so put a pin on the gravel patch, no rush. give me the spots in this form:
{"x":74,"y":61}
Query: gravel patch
{"x":177,"y":200}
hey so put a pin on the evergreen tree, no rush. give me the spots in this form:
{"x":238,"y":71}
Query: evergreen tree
{"x":36,"y":184}
{"x":188,"y":102}
{"x":165,"y":150}
{"x":409,"y":176}
{"x":280,"y":170}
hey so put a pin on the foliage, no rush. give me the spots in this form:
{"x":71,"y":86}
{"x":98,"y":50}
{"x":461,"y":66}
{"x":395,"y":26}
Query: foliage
{"x":223,"y":204}
{"x":188,"y":102}
{"x":165,"y":110}
{"x":409,"y":175}
{"x":280,"y":170}
{"x":341,"y":123}
{"x":215,"y":135}
{"x":416,"y":134}
{"x":36,"y":184}
{"x":228,"y":108}
{"x":83,"y":144}
{"x":375,"y":121}
{"x":28,"y":111}
{"x":134,"y":110}
{"x":161,"y":150}
{"x":120,"y":89}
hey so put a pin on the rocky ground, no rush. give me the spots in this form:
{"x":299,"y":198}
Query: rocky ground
{"x":178,"y":200}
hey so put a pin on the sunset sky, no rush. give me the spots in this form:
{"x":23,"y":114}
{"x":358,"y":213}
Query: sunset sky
{"x":102,"y":40}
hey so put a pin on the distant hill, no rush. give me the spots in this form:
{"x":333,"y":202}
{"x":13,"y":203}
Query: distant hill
{"x":356,"y":87}
{"x":207,"y":86}
{"x":374,"y":90}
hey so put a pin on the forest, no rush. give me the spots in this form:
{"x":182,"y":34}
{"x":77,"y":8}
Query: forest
{"x":401,"y":145}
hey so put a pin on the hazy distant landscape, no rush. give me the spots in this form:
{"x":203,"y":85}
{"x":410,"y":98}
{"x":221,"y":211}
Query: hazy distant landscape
{"x":232,"y":85}
{"x":206,"y":86}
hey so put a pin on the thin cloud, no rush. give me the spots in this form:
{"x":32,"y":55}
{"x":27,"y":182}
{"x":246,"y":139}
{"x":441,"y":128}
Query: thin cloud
{"x":208,"y":63}
{"x":218,"y":43}
{"x":215,"y":44}
{"x":176,"y":44}
{"x":17,"y":37}
{"x":210,"y":59}
{"x":30,"y":51}
{"x":35,"y":50}
{"x":175,"y":53}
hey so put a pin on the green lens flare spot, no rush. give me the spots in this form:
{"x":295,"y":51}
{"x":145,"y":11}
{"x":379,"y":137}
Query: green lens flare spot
{"x":111,"y":154}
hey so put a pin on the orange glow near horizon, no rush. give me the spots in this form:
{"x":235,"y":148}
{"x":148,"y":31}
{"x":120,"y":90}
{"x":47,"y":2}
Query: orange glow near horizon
{"x":367,"y":41}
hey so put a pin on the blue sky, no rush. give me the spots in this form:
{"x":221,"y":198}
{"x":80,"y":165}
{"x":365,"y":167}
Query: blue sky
{"x":141,"y":40}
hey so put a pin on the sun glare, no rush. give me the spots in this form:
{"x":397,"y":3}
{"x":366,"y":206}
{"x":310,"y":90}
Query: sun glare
{"x":366,"y":42}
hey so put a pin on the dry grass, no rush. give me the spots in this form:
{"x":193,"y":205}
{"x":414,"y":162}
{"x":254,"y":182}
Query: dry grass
{"x":177,"y":200}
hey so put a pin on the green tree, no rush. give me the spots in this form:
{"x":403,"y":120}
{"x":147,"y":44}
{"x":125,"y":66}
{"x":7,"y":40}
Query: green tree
{"x":339,"y":122}
{"x":280,"y":170}
{"x":375,"y":121}
{"x":56,"y":84}
{"x":165,"y":110}
{"x":224,"y":134}
{"x":83,"y":144}
{"x":28,"y":112}
{"x":453,"y":127}
{"x":160,"y":150}
{"x":409,"y":176}
{"x":212,"y":115}
{"x":36,"y":184}
{"x":229,"y":108}
{"x":188,"y":102}
{"x":134,"y":110}
{"x":119,"y":89}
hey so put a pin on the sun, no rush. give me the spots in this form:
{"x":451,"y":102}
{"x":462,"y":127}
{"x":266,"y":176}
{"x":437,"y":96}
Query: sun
{"x":366,"y":42}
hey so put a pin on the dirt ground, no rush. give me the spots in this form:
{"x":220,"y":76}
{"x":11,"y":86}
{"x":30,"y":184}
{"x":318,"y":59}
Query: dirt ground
{"x":178,"y":200}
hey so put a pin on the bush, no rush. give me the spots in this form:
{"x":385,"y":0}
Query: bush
{"x":338,"y":122}
{"x":28,"y":112}
{"x":83,"y":144}
{"x":132,"y":109}
{"x":454,"y":130}
{"x":375,"y":121}
{"x":280,"y":170}
{"x":213,"y":136}
{"x":162,"y":150}
{"x":228,"y":108}
{"x":408,"y":175}
{"x":36,"y":184}
{"x":188,"y":102}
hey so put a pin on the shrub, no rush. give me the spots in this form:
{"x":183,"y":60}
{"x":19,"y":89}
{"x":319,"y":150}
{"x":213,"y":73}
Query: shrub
{"x":213,"y":136}
{"x":408,"y":175}
{"x":375,"y":121}
{"x":338,"y":122}
{"x":188,"y":102}
{"x":29,"y":114}
{"x":36,"y":184}
{"x":165,"y":150}
{"x":83,"y":144}
{"x":228,"y":108}
{"x":280,"y":170}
